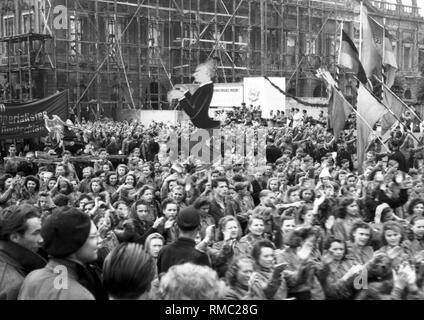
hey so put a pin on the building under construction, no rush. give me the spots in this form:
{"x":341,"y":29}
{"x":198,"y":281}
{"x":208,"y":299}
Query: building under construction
{"x":112,"y":54}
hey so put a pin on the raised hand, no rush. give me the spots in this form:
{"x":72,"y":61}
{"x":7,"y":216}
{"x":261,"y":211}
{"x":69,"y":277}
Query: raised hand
{"x":158,"y":222}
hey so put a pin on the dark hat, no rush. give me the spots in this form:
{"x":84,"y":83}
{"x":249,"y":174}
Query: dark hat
{"x":188,"y":218}
{"x":65,"y":232}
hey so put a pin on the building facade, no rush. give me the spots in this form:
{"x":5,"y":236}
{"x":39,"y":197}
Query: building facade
{"x":112,"y":53}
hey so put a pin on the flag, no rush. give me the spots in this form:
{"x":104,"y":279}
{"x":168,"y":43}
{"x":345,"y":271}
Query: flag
{"x":383,"y":40}
{"x":370,"y":57}
{"x":338,"y":111}
{"x":370,"y":110}
{"x":392,"y":102}
{"x":376,"y":39}
{"x":349,"y":58}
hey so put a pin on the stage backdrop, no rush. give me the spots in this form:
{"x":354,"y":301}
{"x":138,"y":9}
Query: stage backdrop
{"x":18,"y":121}
{"x":259,"y":92}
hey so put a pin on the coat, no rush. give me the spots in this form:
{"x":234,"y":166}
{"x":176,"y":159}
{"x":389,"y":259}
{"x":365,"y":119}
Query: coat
{"x":15,"y":264}
{"x":63,"y":279}
{"x":217,"y":212}
{"x":197,"y":106}
{"x":258,"y":290}
{"x":181,"y":251}
{"x":335,"y":288}
{"x":246,"y":244}
{"x":359,"y":255}
{"x":301,"y":274}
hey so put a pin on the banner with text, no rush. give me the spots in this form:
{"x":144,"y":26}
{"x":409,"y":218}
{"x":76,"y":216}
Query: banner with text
{"x":227,"y":95}
{"x":26,"y":120}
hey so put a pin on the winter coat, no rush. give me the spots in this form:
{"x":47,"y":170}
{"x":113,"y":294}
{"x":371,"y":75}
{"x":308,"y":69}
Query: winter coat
{"x":15,"y":264}
{"x":266,"y":287}
{"x":301,"y":277}
{"x":181,"y":251}
{"x":335,"y":288}
{"x":63,"y":279}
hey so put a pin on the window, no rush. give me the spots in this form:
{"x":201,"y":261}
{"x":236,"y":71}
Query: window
{"x":391,"y":5}
{"x":75,"y":35}
{"x":407,"y":57}
{"x":154,"y":35}
{"x":114,"y":30}
{"x":291,"y":51}
{"x":8,"y":26}
{"x":27,"y":22}
{"x":311,"y":46}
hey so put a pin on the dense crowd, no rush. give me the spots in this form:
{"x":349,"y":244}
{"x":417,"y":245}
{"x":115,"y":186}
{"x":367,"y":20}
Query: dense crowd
{"x":102,"y":214}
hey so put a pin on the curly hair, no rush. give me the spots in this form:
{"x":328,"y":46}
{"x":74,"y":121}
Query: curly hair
{"x":342,"y":212}
{"x":35,"y":180}
{"x":257,"y":248}
{"x":360,"y":225}
{"x":3,"y":179}
{"x":391,"y":226}
{"x":99,"y":182}
{"x":298,"y":236}
{"x":412,"y":204}
{"x":307,"y":189}
{"x":191,"y":282}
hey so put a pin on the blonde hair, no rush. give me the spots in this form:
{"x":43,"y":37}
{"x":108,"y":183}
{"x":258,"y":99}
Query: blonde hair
{"x":191,"y":282}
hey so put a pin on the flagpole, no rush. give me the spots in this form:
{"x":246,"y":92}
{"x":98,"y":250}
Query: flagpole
{"x":360,"y":31}
{"x":369,"y":127}
{"x":400,"y":100}
{"x":383,"y":53}
{"x":396,"y":117}
{"x":341,"y":42}
{"x":338,"y":67}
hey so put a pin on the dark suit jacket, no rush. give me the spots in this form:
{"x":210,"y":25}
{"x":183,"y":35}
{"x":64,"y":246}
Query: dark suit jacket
{"x":197,"y":107}
{"x":181,"y":251}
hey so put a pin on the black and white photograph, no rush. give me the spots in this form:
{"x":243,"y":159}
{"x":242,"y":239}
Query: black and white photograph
{"x":233,"y":151}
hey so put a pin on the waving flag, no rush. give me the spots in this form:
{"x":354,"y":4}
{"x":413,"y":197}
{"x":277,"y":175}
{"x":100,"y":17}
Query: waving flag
{"x":378,"y":57}
{"x":370,"y":110}
{"x":349,"y":58}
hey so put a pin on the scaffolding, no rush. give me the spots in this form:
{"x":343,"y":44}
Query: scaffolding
{"x":128,"y":54}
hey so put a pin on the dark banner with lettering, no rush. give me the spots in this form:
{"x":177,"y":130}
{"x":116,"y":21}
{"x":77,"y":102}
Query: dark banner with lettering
{"x":19,"y":121}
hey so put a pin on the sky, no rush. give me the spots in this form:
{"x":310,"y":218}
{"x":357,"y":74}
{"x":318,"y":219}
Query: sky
{"x":420,"y":4}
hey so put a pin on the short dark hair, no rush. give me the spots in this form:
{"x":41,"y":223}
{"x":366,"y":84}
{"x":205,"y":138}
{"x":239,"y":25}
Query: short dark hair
{"x":360,"y":225}
{"x":256,"y":251}
{"x":128,"y":271}
{"x":168,"y":201}
{"x":216,"y":181}
{"x":61,"y":200}
{"x":200,"y":202}
{"x":13,"y":220}
{"x":301,"y":234}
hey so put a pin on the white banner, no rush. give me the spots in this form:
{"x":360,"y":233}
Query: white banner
{"x":227,"y":95}
{"x":259,"y":92}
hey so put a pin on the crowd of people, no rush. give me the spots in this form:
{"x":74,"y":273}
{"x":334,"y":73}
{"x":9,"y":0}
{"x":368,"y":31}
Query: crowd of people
{"x":102,"y":215}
